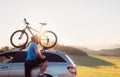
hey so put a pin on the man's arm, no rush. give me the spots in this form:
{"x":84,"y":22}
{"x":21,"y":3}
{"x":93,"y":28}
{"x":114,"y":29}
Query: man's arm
{"x":39,"y":54}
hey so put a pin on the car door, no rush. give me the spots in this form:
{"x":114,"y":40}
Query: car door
{"x":17,"y":70}
{"x":17,"y":67}
{"x":5,"y":65}
{"x":4,"y":70}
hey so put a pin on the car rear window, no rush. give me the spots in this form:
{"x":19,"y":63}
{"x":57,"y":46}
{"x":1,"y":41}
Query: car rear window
{"x":54,"y":57}
{"x":21,"y":56}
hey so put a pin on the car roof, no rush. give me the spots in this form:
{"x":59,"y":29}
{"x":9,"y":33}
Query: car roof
{"x":25,"y":50}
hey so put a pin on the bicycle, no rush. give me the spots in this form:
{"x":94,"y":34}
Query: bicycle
{"x":19,"y":38}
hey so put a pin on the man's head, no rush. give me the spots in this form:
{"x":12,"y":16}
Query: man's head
{"x":35,"y":38}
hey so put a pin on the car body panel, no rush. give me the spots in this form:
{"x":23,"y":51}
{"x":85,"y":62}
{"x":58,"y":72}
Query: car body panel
{"x":56,"y":67}
{"x":17,"y":70}
{"x":4,"y":70}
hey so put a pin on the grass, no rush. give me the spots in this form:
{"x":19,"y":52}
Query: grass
{"x":97,"y":66}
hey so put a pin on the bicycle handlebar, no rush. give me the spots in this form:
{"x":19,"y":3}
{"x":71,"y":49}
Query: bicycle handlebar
{"x":29,"y":23}
{"x":26,"y":21}
{"x":43,"y":24}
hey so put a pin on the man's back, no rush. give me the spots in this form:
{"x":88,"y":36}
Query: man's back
{"x":31,"y":54}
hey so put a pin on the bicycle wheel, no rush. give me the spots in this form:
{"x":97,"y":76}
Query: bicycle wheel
{"x":48,"y":39}
{"x":19,"y":38}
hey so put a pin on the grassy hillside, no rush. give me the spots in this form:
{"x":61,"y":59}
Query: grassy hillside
{"x":97,"y":66}
{"x":93,"y":65}
{"x":70,"y":50}
{"x":113,"y":52}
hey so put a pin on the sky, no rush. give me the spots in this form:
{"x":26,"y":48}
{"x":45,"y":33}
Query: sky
{"x":93,"y":24}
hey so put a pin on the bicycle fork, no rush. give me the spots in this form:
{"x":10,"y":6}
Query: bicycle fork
{"x":22,"y":34}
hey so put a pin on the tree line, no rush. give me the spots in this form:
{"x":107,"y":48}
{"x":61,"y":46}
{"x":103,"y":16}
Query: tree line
{"x":5,"y":48}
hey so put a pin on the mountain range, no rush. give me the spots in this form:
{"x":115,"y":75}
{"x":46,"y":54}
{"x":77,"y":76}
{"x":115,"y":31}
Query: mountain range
{"x":115,"y":51}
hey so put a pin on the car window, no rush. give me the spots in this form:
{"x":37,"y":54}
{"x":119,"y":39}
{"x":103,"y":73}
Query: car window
{"x":54,"y":57}
{"x":19,"y":57}
{"x":6,"y":58}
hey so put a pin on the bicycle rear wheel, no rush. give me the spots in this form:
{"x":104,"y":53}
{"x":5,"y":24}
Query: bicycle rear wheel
{"x":19,"y":38}
{"x":48,"y":39}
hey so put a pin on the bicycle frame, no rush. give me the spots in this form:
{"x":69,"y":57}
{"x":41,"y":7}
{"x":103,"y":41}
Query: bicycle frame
{"x":30,"y":28}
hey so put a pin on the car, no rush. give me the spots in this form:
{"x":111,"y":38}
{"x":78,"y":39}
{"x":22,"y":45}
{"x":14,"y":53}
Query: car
{"x":59,"y":64}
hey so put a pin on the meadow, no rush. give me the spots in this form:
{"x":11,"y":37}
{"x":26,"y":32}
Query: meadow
{"x":97,"y":66}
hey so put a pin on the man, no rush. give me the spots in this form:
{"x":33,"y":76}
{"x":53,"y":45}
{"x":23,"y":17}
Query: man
{"x":34,"y":57}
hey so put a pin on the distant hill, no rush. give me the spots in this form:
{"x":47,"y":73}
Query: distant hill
{"x":87,"y":50}
{"x":115,"y":46}
{"x":70,"y":50}
{"x":113,"y":52}
{"x":107,"y":52}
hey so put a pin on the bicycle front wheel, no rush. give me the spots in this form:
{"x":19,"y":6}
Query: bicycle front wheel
{"x":19,"y":38}
{"x":48,"y":39}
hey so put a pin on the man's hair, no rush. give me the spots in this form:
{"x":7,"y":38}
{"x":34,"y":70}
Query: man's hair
{"x":34,"y":37}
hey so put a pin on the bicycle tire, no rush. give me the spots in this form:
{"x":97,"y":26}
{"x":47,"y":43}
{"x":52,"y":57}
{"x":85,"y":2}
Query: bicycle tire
{"x":53,"y":42}
{"x":15,"y":33}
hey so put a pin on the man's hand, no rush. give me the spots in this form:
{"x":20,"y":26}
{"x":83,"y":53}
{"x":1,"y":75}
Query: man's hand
{"x":43,"y":56}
